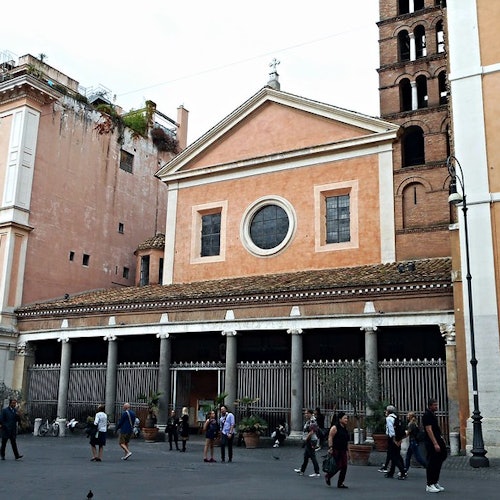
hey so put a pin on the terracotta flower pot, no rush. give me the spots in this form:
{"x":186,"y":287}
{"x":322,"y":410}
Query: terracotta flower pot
{"x":251,"y":439}
{"x":360,"y":453}
{"x":150,"y":434}
{"x":380,"y":441}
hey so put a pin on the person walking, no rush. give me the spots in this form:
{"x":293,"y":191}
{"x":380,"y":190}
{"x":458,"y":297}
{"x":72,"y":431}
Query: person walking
{"x":435,"y":446}
{"x":9,"y":418}
{"x":394,"y":444}
{"x":226,"y":424}
{"x":184,"y":427}
{"x":98,"y":438}
{"x":322,"y":432}
{"x":126,"y":428}
{"x":413,"y":447}
{"x":338,"y":439}
{"x":310,"y":439}
{"x":210,"y":428}
{"x":172,"y":430}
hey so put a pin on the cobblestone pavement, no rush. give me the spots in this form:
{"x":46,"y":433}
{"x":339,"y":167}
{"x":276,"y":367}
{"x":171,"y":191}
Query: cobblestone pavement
{"x":60,"y":469}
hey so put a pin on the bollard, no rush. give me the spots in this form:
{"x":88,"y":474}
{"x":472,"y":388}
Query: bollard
{"x":454,"y":444}
{"x":36,"y":428}
{"x":62,"y":426}
{"x":359,"y":436}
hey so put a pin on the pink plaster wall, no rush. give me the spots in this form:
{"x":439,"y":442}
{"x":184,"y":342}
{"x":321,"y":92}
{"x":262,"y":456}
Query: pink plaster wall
{"x":274,"y":128}
{"x":297,"y":186}
{"x":79,"y":197}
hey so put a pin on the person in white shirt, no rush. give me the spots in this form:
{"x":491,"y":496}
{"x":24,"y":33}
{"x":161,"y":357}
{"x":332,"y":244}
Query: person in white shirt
{"x":98,"y":438}
{"x":226,"y":423}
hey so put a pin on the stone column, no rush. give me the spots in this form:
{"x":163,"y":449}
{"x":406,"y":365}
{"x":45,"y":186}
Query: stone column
{"x":297,"y":383}
{"x":414,"y":95}
{"x":448,"y":333}
{"x":164,"y":376}
{"x":371,"y":357}
{"x":25,"y":357}
{"x":231,"y":385}
{"x":413,"y":48}
{"x":372,"y":377}
{"x":111,"y":370}
{"x":62,"y":395}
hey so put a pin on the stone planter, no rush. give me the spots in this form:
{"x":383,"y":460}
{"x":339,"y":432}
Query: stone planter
{"x":150,"y":434}
{"x":251,"y":439}
{"x":359,"y":453}
{"x":380,"y":441}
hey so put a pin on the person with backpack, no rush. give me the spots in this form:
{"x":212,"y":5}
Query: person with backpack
{"x":413,"y":432}
{"x":310,"y":441}
{"x":396,"y":433}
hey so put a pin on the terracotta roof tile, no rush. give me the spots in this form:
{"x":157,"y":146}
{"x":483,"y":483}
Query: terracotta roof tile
{"x":157,"y":241}
{"x":426,"y":272}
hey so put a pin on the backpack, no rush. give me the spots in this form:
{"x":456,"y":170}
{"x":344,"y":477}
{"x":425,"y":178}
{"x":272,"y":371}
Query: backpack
{"x":399,"y":430}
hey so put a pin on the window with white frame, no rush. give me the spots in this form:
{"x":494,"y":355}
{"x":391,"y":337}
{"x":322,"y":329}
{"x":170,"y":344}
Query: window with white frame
{"x":268,"y":226}
{"x":208,"y":239}
{"x":336,"y":216}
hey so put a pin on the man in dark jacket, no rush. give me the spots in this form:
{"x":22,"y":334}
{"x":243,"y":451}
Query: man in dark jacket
{"x":8,"y":421}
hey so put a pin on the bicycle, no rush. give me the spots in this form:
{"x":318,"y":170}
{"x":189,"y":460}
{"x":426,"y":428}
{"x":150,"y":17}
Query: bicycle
{"x":49,"y":428}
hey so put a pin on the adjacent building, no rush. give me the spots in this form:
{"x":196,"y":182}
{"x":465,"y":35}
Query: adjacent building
{"x":474,"y":57}
{"x":78,"y":188}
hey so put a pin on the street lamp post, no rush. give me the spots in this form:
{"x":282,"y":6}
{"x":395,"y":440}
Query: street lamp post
{"x":478,"y":458}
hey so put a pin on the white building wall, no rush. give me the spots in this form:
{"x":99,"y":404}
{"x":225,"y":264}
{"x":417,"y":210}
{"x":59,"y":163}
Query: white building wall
{"x":470,"y":149}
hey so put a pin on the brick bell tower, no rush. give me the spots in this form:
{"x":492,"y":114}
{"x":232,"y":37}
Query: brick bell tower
{"x":414,"y":94}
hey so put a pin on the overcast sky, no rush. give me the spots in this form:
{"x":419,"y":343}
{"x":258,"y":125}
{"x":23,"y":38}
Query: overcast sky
{"x":209,"y":57}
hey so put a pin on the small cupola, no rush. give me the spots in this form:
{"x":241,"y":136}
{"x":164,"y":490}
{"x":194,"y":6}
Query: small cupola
{"x":149,"y":263}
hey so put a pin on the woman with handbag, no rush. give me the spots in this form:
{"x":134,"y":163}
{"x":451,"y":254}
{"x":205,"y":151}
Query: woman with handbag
{"x":184,"y":427}
{"x":338,"y":439}
{"x":211,"y":428}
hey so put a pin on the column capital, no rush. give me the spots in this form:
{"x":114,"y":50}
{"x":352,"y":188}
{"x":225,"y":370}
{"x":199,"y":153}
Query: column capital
{"x":110,"y":337}
{"x":448,"y":332}
{"x":369,"y":328}
{"x":24,"y":349}
{"x":163,"y":335}
{"x":229,"y":333}
{"x":64,"y":339}
{"x":295,"y":331}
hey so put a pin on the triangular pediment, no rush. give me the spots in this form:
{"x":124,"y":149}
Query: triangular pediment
{"x":275,"y":123}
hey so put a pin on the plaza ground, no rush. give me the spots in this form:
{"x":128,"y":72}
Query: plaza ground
{"x":60,"y":469}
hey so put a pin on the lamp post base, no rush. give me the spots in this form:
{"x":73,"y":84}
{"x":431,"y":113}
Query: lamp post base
{"x":477,"y":461}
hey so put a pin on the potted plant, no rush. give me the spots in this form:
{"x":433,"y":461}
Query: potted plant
{"x":252,"y":427}
{"x":375,"y":422}
{"x":150,"y":430}
{"x":348,"y":384}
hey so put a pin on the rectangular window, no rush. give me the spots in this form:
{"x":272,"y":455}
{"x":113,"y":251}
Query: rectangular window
{"x":126,"y":161}
{"x":125,"y":272}
{"x":121,"y":227}
{"x":210,"y":234}
{"x":160,"y":272}
{"x":144,"y":280}
{"x":86,"y":259}
{"x":338,"y":219}
{"x":71,"y":256}
{"x":336,"y":216}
